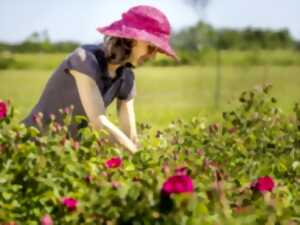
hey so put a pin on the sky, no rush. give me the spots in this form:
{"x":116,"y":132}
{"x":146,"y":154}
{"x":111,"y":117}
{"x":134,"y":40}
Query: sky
{"x":77,"y":20}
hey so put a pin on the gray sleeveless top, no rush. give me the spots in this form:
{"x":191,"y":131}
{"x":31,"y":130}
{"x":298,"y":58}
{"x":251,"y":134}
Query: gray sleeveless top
{"x":61,"y":91}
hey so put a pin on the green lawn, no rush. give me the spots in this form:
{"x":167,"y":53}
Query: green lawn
{"x":167,"y":93}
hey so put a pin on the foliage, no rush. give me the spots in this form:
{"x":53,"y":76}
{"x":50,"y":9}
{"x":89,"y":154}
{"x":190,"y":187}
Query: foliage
{"x":39,"y":42}
{"x":6,"y":60}
{"x":223,"y":160}
{"x":204,"y":35}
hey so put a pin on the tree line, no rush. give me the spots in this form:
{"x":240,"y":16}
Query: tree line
{"x":190,"y":39}
{"x":39,"y":42}
{"x":203,"y":35}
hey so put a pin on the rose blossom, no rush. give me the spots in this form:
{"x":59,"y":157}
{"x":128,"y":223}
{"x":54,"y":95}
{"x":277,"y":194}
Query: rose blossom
{"x":263,"y":184}
{"x":113,"y":162}
{"x":46,"y":220}
{"x":70,"y":203}
{"x":177,"y":184}
{"x":3,"y":109}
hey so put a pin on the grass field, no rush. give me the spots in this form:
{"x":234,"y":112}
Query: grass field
{"x":277,"y":57}
{"x":168,"y":93}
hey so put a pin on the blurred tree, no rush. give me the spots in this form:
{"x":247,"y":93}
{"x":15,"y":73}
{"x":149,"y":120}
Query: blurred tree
{"x":195,"y":38}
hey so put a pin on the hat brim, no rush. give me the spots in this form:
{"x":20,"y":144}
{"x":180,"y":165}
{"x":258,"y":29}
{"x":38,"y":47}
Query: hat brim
{"x":120,"y":30}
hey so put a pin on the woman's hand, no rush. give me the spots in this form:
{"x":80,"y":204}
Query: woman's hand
{"x":116,"y":135}
{"x":131,"y":145}
{"x":136,"y":141}
{"x":133,"y":148}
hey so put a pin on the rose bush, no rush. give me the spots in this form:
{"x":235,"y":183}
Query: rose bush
{"x":208,"y":170}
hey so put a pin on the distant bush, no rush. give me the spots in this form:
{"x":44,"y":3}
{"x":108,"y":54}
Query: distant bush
{"x":207,"y":57}
{"x":30,"y":46}
{"x":6,"y":60}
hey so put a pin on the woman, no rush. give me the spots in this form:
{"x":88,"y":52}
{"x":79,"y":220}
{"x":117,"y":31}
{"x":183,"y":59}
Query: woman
{"x":94,"y":74}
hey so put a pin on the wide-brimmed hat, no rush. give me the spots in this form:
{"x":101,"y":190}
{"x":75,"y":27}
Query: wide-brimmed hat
{"x":145,"y":23}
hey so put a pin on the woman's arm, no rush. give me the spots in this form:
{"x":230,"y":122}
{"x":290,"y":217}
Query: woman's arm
{"x":126,"y":115}
{"x":94,"y":107}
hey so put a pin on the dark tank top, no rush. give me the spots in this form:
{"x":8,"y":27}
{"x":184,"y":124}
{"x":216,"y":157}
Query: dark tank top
{"x":61,"y":91}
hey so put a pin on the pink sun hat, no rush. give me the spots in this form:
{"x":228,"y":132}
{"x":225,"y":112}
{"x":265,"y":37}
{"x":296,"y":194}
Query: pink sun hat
{"x":145,"y":23}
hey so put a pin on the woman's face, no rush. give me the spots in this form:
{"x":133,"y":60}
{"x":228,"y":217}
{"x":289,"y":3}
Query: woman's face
{"x":142,"y":51}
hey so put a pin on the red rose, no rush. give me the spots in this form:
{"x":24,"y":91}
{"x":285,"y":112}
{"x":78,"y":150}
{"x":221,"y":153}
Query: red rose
{"x":113,"y":162}
{"x":3,"y":109}
{"x":263,"y":184}
{"x":177,"y":184}
{"x":70,"y":203}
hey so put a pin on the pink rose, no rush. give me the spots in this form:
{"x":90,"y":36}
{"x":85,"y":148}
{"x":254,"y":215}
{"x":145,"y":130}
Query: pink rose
{"x":177,"y":184}
{"x":46,"y":220}
{"x":70,"y":203}
{"x":263,"y":184}
{"x":3,"y":109}
{"x":113,"y":162}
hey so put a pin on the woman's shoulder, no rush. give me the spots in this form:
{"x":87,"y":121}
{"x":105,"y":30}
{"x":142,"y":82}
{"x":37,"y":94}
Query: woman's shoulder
{"x":82,"y":53}
{"x":85,"y":60}
{"x":89,"y":52}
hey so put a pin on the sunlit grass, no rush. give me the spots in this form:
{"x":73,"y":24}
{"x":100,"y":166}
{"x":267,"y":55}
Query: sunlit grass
{"x":167,"y":93}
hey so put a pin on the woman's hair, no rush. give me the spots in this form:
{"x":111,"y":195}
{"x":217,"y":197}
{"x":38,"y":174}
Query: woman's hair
{"x":118,"y":49}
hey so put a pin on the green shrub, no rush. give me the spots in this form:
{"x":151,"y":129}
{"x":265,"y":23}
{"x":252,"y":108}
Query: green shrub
{"x":223,"y":160}
{"x":6,"y":60}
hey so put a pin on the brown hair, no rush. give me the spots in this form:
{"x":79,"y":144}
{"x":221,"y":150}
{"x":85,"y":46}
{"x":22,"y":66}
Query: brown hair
{"x":118,"y":49}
